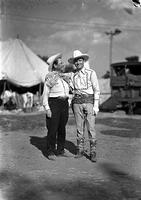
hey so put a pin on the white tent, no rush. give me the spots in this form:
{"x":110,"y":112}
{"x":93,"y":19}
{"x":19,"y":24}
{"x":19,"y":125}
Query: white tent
{"x":19,"y":65}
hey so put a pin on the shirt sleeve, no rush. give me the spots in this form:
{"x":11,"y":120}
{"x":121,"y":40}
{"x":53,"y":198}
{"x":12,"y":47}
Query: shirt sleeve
{"x":45,"y":96}
{"x":51,"y":79}
{"x":95,"y":85}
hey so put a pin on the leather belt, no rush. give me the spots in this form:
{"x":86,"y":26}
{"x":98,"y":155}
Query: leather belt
{"x":60,"y":98}
{"x":83,"y":95}
{"x":63,"y":97}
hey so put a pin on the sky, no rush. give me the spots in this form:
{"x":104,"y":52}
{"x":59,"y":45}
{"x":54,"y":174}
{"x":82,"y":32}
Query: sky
{"x":62,"y":26}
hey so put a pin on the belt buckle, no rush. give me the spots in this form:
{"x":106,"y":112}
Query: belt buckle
{"x":78,"y":95}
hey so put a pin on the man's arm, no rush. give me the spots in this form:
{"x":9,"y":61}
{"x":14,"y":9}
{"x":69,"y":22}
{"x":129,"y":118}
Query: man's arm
{"x":45,"y":100}
{"x":68,"y":78}
{"x":96,"y":89}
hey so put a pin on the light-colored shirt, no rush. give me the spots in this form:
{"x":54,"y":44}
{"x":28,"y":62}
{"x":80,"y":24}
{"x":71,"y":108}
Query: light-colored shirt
{"x":85,"y":81}
{"x":54,"y":86}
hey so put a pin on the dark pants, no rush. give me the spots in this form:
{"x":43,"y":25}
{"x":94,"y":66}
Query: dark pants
{"x":56,"y":125}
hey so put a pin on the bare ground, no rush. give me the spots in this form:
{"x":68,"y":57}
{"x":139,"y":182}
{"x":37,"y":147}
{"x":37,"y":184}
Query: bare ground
{"x":26,"y":173}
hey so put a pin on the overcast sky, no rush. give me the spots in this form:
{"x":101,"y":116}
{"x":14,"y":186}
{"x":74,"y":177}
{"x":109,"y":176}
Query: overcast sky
{"x":52,"y":26}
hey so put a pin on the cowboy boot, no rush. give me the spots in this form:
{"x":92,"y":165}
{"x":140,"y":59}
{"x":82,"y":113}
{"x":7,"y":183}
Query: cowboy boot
{"x":93,"y":151}
{"x":80,"y":148}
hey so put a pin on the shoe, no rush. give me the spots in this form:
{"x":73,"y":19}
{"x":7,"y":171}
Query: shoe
{"x":93,"y":157}
{"x":51,"y":156}
{"x":79,"y":155}
{"x":61,"y":153}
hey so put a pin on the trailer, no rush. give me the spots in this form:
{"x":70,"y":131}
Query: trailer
{"x":125,"y":82}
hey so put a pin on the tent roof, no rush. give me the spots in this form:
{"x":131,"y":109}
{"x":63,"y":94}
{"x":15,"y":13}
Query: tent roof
{"x":20,"y":65}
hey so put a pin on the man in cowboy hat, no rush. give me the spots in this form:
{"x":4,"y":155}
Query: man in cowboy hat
{"x":85,"y":103}
{"x":55,"y":102}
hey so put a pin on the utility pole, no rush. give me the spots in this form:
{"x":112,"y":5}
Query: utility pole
{"x":111,"y":34}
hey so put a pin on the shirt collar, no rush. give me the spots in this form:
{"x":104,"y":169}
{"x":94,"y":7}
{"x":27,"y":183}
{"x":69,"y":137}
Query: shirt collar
{"x":82,"y":70}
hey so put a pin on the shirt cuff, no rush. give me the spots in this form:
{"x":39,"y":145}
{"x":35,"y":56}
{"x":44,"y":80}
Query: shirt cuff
{"x":96,"y":103}
{"x":46,"y":107}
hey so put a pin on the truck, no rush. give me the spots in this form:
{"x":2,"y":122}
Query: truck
{"x":125,"y":82}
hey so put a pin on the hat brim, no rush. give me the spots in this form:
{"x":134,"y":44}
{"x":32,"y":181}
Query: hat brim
{"x":72,"y":60}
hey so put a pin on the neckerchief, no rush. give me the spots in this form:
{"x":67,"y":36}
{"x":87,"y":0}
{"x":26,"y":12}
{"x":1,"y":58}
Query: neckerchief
{"x":52,"y":78}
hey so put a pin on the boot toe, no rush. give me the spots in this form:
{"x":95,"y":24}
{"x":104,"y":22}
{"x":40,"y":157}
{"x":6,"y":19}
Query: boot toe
{"x":79,"y":155}
{"x":93,"y":157}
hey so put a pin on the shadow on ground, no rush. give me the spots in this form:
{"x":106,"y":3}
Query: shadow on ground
{"x":26,"y":122}
{"x":125,"y":127}
{"x":40,"y":143}
{"x":119,"y":185}
{"x":20,"y":122}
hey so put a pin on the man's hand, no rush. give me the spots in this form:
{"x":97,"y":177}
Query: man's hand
{"x":95,"y":110}
{"x":96,"y":107}
{"x":48,"y":113}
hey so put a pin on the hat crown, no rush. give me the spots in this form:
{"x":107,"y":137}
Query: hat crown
{"x":51,"y":59}
{"x":77,"y":53}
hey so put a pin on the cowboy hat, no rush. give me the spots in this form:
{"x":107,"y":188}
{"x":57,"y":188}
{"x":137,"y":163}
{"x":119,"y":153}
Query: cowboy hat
{"x":51,"y":59}
{"x":76,"y":55}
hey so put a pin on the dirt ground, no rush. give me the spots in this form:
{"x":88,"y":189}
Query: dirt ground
{"x":27,"y":174}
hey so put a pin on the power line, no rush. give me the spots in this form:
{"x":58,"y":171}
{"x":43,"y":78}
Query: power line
{"x":10,"y":16}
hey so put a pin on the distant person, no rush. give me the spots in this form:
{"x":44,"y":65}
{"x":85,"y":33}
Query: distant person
{"x":55,"y":102}
{"x":85,"y":103}
{"x":27,"y":101}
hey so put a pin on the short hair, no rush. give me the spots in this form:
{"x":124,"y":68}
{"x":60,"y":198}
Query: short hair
{"x":54,"y":63}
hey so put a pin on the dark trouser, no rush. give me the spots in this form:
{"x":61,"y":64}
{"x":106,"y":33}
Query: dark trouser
{"x":56,"y":125}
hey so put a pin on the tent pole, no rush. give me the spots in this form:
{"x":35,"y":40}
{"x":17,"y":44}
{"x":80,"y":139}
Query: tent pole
{"x":40,"y":93}
{"x":4,"y":88}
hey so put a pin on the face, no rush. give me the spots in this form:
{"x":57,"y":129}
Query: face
{"x":59,"y":65}
{"x":79,"y":63}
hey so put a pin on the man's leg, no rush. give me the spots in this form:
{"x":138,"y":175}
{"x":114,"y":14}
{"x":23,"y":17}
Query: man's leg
{"x":93,"y":151}
{"x":51,"y":134}
{"x":79,"y":118}
{"x":64,"y":109}
{"x":52,"y":126}
{"x":91,"y":131}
